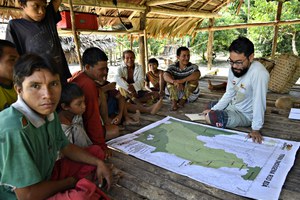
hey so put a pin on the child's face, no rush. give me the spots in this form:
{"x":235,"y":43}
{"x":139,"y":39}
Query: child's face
{"x":153,"y":67}
{"x":77,"y":106}
{"x":7,"y":61}
{"x":41,"y":91}
{"x":35,"y":10}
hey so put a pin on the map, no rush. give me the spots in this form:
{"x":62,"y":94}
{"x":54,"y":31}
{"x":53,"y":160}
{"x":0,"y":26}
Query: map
{"x":218,"y":157}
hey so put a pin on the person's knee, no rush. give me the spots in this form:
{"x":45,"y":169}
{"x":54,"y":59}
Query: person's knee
{"x":194,"y":82}
{"x":217,"y":118}
{"x":112,"y":131}
{"x":207,"y":118}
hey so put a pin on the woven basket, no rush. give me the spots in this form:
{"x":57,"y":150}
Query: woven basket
{"x":285,"y":73}
{"x":269,"y":64}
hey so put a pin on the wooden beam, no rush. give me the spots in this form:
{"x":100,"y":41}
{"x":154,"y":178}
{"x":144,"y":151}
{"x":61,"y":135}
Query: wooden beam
{"x":108,"y":4}
{"x":162,"y":2}
{"x":178,"y":13}
{"x":276,"y":28}
{"x":87,"y":32}
{"x":228,"y":27}
{"x":75,"y":35}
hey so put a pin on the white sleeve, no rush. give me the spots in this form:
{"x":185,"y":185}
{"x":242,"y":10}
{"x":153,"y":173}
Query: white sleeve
{"x":138,"y":78}
{"x":227,"y":97}
{"x":119,"y":78}
{"x":260,"y":89}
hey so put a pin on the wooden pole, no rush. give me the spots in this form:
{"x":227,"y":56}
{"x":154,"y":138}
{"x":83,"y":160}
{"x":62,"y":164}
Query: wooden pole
{"x":146,"y":50}
{"x":131,"y":42}
{"x":276,"y":28}
{"x":77,"y":44}
{"x":210,"y":44}
{"x":142,"y":41}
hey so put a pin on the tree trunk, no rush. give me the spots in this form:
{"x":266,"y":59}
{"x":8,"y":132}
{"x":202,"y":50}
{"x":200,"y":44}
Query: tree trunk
{"x":294,"y":43}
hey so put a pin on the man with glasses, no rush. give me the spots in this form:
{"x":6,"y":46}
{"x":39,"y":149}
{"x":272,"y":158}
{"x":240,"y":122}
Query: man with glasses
{"x":244,"y":102}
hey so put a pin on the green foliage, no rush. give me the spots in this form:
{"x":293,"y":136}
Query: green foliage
{"x":262,"y":37}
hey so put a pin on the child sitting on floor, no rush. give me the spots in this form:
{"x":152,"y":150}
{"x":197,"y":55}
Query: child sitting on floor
{"x":155,"y":77}
{"x":72,"y":106}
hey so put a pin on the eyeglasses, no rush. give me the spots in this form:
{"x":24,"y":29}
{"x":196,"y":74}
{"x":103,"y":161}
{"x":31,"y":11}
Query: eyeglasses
{"x":237,"y":63}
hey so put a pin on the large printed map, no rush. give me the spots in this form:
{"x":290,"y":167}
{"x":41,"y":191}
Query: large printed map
{"x":218,"y":157}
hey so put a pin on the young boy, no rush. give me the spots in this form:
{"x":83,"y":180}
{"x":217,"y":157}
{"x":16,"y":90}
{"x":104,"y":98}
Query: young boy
{"x":155,"y":77}
{"x":72,"y":106}
{"x":36,"y":33}
{"x":8,"y":57}
{"x":31,"y":137}
{"x":94,"y":61}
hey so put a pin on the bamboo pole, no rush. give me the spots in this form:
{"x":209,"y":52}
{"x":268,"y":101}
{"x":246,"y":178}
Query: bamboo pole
{"x":210,"y":44}
{"x":77,"y":45}
{"x":162,"y":2}
{"x":257,"y":24}
{"x":276,"y":28}
{"x":178,"y":13}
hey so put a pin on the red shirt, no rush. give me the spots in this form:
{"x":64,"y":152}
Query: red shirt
{"x":91,"y":117}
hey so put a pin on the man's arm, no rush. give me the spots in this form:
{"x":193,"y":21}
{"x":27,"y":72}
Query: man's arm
{"x":227,"y":96}
{"x":194,"y":76}
{"x":45,"y":189}
{"x":260,"y":89}
{"x":77,"y":154}
{"x":56,"y":4}
{"x":168,"y":77}
{"x":138,"y":77}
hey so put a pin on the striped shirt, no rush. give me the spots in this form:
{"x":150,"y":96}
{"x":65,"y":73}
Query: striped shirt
{"x":178,"y":73}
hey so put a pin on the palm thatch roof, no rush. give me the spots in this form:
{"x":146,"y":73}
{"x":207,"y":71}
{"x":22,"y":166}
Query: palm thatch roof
{"x":160,"y":18}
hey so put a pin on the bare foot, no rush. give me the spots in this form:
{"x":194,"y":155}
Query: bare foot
{"x":117,"y":120}
{"x":221,"y":86}
{"x":155,"y":108}
{"x":130,"y":121}
{"x":210,"y":86}
{"x":181,"y":103}
{"x":136,"y":116}
{"x":174,"y":106}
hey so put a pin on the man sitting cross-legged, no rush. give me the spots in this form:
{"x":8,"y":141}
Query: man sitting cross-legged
{"x":130,"y":81}
{"x":182,"y":79}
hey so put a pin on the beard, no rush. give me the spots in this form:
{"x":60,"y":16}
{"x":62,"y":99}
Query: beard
{"x":240,"y":73}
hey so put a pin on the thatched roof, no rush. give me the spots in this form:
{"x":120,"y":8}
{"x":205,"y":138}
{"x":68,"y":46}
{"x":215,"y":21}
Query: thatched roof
{"x":164,"y":18}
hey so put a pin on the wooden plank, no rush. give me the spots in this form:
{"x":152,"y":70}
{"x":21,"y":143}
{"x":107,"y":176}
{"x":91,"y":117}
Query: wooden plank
{"x":175,"y":190}
{"x":178,"y":184}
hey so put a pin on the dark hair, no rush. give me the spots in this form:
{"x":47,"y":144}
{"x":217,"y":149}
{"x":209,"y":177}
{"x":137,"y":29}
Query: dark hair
{"x":242,"y":45}
{"x":93,"y":55}
{"x":69,"y":92}
{"x":180,"y":49}
{"x":28,"y":63}
{"x":127,"y":52}
{"x":23,"y":2}
{"x":5,"y":43}
{"x":153,"y":61}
